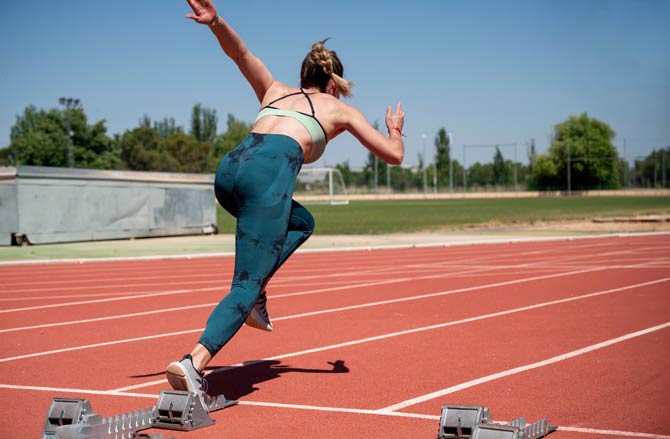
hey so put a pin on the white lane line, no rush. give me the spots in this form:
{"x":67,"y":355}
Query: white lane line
{"x":169,"y":292}
{"x":79,"y":391}
{"x":433,"y":418}
{"x":110,"y":299}
{"x":291,"y":279}
{"x":190,"y":331}
{"x":613,"y":432}
{"x":422,"y":296}
{"x":524,"y":368}
{"x":96,"y":345}
{"x":276,"y":296}
{"x":114,"y":317}
{"x":416,"y":330}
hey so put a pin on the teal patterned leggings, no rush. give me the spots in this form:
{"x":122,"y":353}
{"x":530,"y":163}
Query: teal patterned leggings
{"x":254,"y":183}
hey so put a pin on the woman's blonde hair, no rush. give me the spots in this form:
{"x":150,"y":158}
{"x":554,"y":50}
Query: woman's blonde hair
{"x":321,"y":65}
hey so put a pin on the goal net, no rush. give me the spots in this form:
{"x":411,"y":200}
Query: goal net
{"x":321,"y":186}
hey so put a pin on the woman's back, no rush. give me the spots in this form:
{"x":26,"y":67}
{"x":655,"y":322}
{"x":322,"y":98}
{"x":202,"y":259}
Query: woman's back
{"x":323,"y":108}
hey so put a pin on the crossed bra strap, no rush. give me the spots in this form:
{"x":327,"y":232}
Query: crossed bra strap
{"x":295,"y":94}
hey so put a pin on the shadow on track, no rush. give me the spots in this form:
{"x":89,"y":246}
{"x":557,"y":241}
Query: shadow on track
{"x":238,"y":381}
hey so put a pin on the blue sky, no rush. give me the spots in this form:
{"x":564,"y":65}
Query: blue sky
{"x":488,"y":71}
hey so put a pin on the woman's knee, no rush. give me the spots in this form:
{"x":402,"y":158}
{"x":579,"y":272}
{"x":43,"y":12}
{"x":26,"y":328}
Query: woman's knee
{"x":301,"y":219}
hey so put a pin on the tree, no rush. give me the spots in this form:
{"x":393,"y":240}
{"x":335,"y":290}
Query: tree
{"x":142,"y":150}
{"x":653,"y":170}
{"x":375,"y":168}
{"x":480,"y":174}
{"x":346,"y":172}
{"x":167,"y":127}
{"x":235,"y":133}
{"x":501,"y":174}
{"x":39,"y":137}
{"x":189,"y":154}
{"x":203,"y":123}
{"x":583,"y":155}
{"x":442,"y":157}
{"x":532,"y":153}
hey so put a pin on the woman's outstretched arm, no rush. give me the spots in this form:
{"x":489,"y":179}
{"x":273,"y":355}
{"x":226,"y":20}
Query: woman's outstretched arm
{"x":253,"y":69}
{"x":390,"y":149}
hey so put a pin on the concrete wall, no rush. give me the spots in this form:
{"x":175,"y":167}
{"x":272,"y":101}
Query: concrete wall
{"x":46,"y":205}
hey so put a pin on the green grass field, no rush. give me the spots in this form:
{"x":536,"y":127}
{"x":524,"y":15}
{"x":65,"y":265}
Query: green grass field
{"x":384,"y":216}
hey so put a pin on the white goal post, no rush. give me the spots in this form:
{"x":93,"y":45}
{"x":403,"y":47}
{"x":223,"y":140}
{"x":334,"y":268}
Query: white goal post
{"x":321,"y":186}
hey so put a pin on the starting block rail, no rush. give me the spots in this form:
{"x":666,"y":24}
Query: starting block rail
{"x":69,"y":418}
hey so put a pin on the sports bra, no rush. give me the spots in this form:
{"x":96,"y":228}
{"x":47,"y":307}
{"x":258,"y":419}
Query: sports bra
{"x":310,"y":122}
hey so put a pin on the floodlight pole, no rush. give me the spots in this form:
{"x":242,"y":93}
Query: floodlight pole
{"x":388,"y":179}
{"x":435,"y":177}
{"x":625,"y":166}
{"x":376,"y":174}
{"x":516,"y":182}
{"x":425,"y":162}
{"x":69,"y":104}
{"x":663,"y":167}
{"x":465,"y":169}
{"x":451,"y":169}
{"x":568,"y":164}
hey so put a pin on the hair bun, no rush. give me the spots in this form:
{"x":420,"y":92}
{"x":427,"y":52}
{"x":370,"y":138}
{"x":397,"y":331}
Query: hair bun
{"x":321,"y":65}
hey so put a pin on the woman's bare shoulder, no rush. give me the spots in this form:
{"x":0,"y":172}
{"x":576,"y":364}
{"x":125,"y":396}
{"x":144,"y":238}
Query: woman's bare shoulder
{"x":276,"y":90}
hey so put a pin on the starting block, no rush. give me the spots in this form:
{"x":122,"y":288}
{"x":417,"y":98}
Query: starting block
{"x":458,"y":421}
{"x":177,"y":410}
{"x":67,"y":411}
{"x":69,"y":418}
{"x":475,"y":422}
{"x":516,"y":429}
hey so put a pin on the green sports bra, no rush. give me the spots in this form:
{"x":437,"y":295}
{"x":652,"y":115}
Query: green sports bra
{"x":310,"y":122}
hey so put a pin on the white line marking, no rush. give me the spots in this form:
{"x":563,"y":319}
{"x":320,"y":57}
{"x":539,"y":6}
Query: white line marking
{"x":111,"y":299}
{"x":421,"y":329}
{"x":321,"y":409}
{"x":337,"y":409}
{"x":102,"y":319}
{"x":277,"y":296}
{"x":613,"y":432}
{"x":109,"y":343}
{"x":506,"y":373}
{"x":81,"y":391}
{"x":327,"y":311}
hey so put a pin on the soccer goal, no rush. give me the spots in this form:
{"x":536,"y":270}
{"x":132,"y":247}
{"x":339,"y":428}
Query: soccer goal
{"x":321,"y":186}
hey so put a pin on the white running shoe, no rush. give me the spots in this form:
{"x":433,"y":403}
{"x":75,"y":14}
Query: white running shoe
{"x":259,"y":318}
{"x":182,"y":375}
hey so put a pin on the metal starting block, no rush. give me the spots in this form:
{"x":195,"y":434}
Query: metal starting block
{"x":66,"y":411}
{"x":69,"y":418}
{"x":177,"y":410}
{"x":475,"y":422}
{"x":458,"y":421}
{"x":516,"y":429}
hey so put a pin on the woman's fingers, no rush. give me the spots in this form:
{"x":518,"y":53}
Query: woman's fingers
{"x":192,"y":4}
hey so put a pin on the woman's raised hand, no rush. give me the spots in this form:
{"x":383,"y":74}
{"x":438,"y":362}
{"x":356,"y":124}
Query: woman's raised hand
{"x":204,"y":11}
{"x":396,"y":120}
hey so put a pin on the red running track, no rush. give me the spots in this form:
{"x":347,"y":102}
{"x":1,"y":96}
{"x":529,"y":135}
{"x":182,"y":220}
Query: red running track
{"x":366,"y":343}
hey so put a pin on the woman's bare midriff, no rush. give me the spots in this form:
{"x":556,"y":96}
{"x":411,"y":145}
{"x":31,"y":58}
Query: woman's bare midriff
{"x":287,"y":127}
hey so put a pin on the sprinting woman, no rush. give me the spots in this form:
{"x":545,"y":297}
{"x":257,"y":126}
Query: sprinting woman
{"x":255,"y":181}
